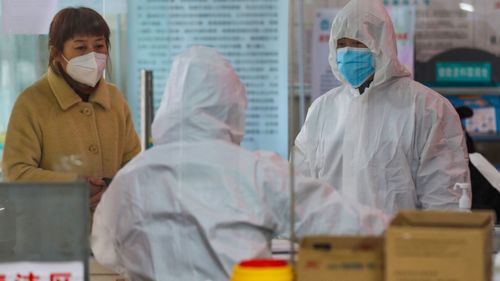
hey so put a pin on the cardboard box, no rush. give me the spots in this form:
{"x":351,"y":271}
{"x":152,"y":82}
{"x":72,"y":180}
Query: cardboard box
{"x":326,"y":258}
{"x":439,"y":246}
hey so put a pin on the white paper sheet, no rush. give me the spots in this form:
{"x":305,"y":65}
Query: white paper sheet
{"x":27,"y":16}
{"x":483,"y":121}
{"x":42,"y":271}
{"x":280,"y":249}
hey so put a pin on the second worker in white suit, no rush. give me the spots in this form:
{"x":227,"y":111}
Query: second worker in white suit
{"x":381,"y":138}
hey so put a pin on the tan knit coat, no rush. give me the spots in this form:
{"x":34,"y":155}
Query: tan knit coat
{"x":54,"y":136}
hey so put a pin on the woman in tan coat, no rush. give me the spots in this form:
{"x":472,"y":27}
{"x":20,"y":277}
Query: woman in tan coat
{"x":71,"y":123}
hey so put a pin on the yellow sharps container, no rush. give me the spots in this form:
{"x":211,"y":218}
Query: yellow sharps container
{"x":262,"y":270}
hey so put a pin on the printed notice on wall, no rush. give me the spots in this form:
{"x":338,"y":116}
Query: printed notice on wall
{"x":322,"y":78}
{"x":252,"y":34}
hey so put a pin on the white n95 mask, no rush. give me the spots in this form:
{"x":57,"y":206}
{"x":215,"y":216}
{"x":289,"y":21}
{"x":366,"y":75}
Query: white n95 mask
{"x":86,"y":69}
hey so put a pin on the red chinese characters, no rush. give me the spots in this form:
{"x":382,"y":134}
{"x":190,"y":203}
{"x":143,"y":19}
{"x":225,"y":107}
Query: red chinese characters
{"x":62,"y":276}
{"x":324,"y":38}
{"x":29,"y":277}
{"x":56,"y":276}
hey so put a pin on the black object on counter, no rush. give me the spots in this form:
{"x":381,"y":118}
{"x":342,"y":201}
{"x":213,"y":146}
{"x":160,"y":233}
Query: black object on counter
{"x":107,"y":181}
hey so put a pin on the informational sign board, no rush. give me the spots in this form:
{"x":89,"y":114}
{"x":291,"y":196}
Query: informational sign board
{"x":252,"y":34}
{"x":463,"y":71}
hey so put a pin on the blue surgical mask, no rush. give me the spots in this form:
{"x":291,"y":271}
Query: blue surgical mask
{"x":355,"y":64}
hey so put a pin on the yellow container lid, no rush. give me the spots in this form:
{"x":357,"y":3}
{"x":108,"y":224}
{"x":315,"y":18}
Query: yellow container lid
{"x":262,"y":270}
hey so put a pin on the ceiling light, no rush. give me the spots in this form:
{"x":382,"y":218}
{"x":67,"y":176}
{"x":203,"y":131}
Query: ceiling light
{"x":467,"y":7}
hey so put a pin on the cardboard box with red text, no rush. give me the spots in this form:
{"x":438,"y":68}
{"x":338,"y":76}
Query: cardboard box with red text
{"x":326,"y":258}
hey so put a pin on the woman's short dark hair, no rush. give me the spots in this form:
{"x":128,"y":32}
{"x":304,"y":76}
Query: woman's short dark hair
{"x":69,"y":22}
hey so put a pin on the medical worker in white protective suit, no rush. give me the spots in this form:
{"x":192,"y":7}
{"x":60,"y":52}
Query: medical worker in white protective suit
{"x":381,"y":138}
{"x":196,"y":203}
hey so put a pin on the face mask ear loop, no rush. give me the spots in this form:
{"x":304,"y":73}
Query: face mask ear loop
{"x":64,"y":58}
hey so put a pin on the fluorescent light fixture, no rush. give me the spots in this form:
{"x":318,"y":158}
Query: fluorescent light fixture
{"x":467,"y":7}
{"x":1,"y":209}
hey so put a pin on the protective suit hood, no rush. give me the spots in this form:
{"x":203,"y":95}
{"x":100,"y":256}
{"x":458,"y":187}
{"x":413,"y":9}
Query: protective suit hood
{"x":203,"y":100}
{"x":367,"y":21}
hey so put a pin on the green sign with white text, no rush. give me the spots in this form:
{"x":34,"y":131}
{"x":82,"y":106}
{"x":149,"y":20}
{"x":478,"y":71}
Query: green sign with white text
{"x":463,"y":72}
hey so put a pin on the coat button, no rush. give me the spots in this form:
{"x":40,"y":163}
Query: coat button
{"x":86,"y":111}
{"x":93,"y":148}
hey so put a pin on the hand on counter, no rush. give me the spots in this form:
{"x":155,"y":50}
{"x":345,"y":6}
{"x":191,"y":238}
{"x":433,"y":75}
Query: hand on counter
{"x":97,"y":188}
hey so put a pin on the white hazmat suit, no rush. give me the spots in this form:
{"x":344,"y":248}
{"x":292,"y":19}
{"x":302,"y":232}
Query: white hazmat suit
{"x":196,"y":203}
{"x":399,"y":145}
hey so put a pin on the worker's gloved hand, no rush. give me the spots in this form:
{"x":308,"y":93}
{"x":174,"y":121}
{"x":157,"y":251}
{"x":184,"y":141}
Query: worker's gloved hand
{"x":97,"y":188}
